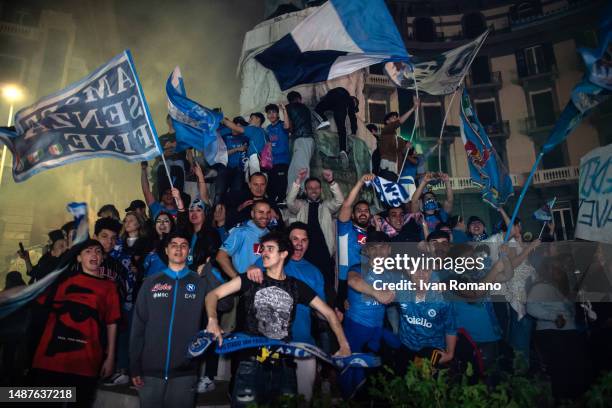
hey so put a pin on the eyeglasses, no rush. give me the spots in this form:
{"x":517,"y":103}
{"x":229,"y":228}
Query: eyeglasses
{"x":162,"y":221}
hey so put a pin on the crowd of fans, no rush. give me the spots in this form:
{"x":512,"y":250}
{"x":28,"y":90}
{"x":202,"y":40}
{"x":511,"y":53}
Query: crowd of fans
{"x":262,"y":246}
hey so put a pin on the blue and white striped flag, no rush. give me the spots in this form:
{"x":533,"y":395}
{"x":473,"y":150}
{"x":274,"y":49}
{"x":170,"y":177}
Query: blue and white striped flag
{"x":544,"y":213}
{"x":390,"y":192}
{"x":195,"y":125}
{"x":341,"y":37}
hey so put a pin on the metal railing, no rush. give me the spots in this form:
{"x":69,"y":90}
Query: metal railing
{"x":18,"y":30}
{"x":379,"y":80}
{"x":530,"y":125}
{"x":556,"y":175}
{"x":466,"y":183}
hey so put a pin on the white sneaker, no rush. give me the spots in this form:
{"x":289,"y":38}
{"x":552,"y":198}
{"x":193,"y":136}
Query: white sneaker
{"x":324,"y":125}
{"x":344,"y":160}
{"x":117,"y":379}
{"x":205,"y":385}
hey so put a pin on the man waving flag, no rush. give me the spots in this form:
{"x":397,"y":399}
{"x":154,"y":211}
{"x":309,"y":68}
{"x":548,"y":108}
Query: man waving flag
{"x":341,"y":37}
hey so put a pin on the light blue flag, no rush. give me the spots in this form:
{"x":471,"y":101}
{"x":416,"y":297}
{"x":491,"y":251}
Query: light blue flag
{"x":486,"y":169}
{"x":341,"y":37}
{"x":13,"y":299}
{"x":102,"y":115}
{"x":544,"y":213}
{"x":195,"y":125}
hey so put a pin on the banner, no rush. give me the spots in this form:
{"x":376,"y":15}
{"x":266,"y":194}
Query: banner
{"x":544,"y":213}
{"x":440,"y":75}
{"x":103,"y":115}
{"x":594,"y":221}
{"x":486,"y":168}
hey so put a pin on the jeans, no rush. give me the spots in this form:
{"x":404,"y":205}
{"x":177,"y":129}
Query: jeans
{"x":228,"y":178}
{"x":174,"y":392}
{"x":262,"y":383}
{"x":277,"y":182}
{"x":122,"y":359}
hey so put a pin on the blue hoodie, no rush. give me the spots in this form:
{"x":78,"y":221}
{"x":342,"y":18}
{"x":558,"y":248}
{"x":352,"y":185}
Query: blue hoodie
{"x":242,"y":245}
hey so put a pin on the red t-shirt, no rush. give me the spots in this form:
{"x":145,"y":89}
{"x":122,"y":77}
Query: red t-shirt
{"x":71,"y":342}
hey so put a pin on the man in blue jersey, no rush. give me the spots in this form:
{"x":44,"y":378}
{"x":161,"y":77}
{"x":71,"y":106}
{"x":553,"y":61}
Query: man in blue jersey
{"x":241,"y":248}
{"x":306,"y":272}
{"x":231,"y":176}
{"x":278,"y":134}
{"x":427,"y":325}
{"x":256,"y":135}
{"x":363,"y":323}
{"x":353,"y":221}
{"x":426,"y":201}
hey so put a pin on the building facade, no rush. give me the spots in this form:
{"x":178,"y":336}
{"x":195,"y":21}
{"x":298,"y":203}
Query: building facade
{"x":519,"y":82}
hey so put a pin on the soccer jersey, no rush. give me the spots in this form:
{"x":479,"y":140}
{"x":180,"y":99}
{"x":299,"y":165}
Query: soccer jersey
{"x":72,"y":339}
{"x":364,"y":309}
{"x":257,"y":139}
{"x":280,"y":142}
{"x":242,"y":245}
{"x":350,"y":240}
{"x":426,"y":323}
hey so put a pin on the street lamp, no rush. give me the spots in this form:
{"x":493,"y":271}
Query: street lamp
{"x":11,"y":93}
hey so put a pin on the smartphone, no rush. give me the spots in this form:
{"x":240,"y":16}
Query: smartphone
{"x":21,"y":248}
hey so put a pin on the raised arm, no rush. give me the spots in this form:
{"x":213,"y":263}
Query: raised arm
{"x":414,"y":201}
{"x":320,"y":306}
{"x":144,"y":183}
{"x":212,"y":299}
{"x":337,"y":197}
{"x":347,"y":205}
{"x":202,"y":187}
{"x":448,"y":203}
{"x":293,"y":204}
{"x":232,"y":126}
{"x":416,"y":103}
{"x":356,"y":282}
{"x":286,"y":120}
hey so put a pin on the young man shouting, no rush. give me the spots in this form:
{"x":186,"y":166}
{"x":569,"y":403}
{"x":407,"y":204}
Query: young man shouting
{"x":270,"y":311}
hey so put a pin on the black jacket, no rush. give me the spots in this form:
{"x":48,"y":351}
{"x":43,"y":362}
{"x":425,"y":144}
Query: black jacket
{"x":168,"y":314}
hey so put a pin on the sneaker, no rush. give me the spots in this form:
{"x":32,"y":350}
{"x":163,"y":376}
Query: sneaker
{"x":324,"y":125}
{"x":205,"y":385}
{"x":117,"y":379}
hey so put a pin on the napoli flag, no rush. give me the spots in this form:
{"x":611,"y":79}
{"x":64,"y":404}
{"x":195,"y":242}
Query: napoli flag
{"x":195,"y":125}
{"x":341,"y":37}
{"x":486,"y":169}
{"x":389,"y":192}
{"x":102,"y":115}
{"x":544,"y":213}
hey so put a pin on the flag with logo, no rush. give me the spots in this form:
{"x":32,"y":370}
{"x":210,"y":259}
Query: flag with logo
{"x":102,"y":115}
{"x":486,"y":169}
{"x":195,"y":125}
{"x":390,"y":192}
{"x":544,"y":213}
{"x":595,"y":87}
{"x":438,"y":75}
{"x":341,"y":37}
{"x":216,"y":152}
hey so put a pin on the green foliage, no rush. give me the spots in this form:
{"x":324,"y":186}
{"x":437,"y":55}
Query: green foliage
{"x":425,"y":387}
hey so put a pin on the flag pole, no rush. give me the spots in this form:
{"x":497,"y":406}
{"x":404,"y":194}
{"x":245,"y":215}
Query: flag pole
{"x":453,"y":98}
{"x":522,"y":196}
{"x":552,"y":218}
{"x":542,"y":230}
{"x":444,"y":123}
{"x":416,"y":122}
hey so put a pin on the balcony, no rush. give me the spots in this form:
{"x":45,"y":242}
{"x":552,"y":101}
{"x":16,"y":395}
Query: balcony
{"x":538,"y":73}
{"x":18,"y":30}
{"x":466,"y":184}
{"x":493,"y":82}
{"x":538,"y":130}
{"x":559,"y":175}
{"x":380,"y":81}
{"x":494,"y":130}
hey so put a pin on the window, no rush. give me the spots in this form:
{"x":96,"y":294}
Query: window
{"x":564,"y":221}
{"x":538,"y":59}
{"x":432,"y":116}
{"x":479,"y":71}
{"x":377,"y":69}
{"x":486,"y":112}
{"x":525,"y":9}
{"x":473,"y":24}
{"x":424,"y":29}
{"x":377,"y":111}
{"x":543,"y":108}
